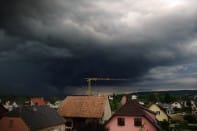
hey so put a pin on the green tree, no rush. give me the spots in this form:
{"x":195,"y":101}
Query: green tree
{"x":151,"y":98}
{"x":182,"y":125}
{"x":188,"y":103}
{"x":165,"y":125}
{"x":168,"y":98}
{"x":190,"y":119}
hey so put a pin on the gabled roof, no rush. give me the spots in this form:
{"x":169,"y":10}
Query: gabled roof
{"x":161,"y":109}
{"x":38,"y":101}
{"x":37,"y":117}
{"x":159,"y":106}
{"x":164,"y":105}
{"x":133,"y":108}
{"x":83,"y":106}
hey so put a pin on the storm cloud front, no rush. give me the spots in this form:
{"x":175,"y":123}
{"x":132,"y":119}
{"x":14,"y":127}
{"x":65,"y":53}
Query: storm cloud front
{"x":50,"y":46}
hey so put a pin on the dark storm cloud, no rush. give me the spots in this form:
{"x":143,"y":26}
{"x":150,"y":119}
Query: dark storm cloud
{"x":62,"y":42}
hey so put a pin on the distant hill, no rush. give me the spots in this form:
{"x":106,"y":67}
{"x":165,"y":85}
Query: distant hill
{"x":175,"y":92}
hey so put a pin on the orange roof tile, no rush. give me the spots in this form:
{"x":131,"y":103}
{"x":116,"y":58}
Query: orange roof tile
{"x":38,"y":101}
{"x":83,"y":106}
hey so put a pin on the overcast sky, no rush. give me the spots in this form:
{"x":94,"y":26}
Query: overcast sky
{"x":49,"y":46}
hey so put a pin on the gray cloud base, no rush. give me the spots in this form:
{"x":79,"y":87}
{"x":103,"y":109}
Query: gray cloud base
{"x":55,"y":43}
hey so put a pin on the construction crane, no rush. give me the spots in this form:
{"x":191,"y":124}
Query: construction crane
{"x":89,"y":80}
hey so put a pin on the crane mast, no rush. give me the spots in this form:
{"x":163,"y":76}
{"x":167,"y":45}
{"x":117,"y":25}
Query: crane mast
{"x":90,"y":79}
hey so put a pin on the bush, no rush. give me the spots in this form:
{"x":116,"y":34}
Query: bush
{"x":164,"y":125}
{"x":190,"y":119}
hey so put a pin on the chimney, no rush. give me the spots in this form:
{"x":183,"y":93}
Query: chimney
{"x":123,"y":100}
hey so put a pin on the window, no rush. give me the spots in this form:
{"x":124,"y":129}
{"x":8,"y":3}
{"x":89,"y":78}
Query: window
{"x":11,"y":122}
{"x":121,"y":121}
{"x":68,"y":124}
{"x":157,"y":112}
{"x":138,"y":121}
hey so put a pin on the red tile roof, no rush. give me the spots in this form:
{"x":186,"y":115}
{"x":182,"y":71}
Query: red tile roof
{"x":83,"y":106}
{"x":131,"y":108}
{"x":38,"y":101}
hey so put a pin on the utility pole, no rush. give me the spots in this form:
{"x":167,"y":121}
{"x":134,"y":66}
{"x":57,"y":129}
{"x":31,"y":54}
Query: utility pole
{"x":90,"y":79}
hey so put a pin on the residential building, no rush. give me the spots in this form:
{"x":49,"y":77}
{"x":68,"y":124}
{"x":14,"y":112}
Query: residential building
{"x":132,"y":117}
{"x":38,"y":101}
{"x":176,"y":105}
{"x":161,"y":115}
{"x":193,"y":105}
{"x":80,"y":110}
{"x":10,"y":106}
{"x":32,"y":118}
{"x":55,"y":105}
{"x":166,"y":107}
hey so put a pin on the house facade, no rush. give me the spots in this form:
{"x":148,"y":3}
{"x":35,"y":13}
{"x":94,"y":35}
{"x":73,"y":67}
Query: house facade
{"x":130,"y":123}
{"x":31,"y":118}
{"x":132,"y":117}
{"x":161,"y":115}
{"x":80,"y":110}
